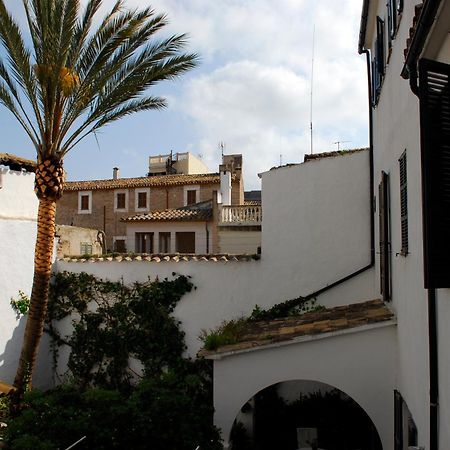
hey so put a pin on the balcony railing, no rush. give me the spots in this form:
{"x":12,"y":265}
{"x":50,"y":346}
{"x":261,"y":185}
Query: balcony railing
{"x":240,"y":215}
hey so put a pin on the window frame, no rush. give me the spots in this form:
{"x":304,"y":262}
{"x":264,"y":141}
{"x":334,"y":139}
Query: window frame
{"x":378,"y":61}
{"x":185,"y":194}
{"x":116,"y":194}
{"x":82,"y":194}
{"x":119,"y":238}
{"x":136,"y":199}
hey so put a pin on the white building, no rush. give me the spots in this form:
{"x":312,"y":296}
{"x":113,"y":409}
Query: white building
{"x":407,"y":44}
{"x":18,"y":214}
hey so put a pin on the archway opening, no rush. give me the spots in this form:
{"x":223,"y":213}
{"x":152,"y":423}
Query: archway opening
{"x":303,"y":414}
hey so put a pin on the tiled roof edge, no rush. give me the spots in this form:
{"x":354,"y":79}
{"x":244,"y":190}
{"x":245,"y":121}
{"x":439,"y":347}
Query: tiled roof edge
{"x":163,"y":257}
{"x":333,"y":154}
{"x":152,"y":181}
{"x":17,"y":163}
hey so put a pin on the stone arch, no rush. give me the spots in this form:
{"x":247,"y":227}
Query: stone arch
{"x":305,"y":387}
{"x":359,"y":364}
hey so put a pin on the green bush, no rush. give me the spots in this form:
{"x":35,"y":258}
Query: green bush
{"x":173,"y":411}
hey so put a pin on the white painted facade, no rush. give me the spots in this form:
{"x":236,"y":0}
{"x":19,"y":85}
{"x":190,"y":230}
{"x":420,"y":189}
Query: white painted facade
{"x":202,"y":230}
{"x":359,"y":363}
{"x":396,"y":128}
{"x":18,"y":212}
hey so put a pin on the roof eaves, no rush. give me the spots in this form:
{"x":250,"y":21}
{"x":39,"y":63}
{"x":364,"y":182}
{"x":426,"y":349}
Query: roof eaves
{"x":363,"y":26}
{"x":17,"y":163}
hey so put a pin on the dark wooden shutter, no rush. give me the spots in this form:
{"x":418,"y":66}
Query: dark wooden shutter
{"x":380,"y":46}
{"x":385,"y":245}
{"x":434,"y":96}
{"x":191,"y":197}
{"x":398,"y":421}
{"x":403,"y":203}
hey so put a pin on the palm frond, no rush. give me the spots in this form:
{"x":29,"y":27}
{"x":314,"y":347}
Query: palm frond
{"x":19,"y":59}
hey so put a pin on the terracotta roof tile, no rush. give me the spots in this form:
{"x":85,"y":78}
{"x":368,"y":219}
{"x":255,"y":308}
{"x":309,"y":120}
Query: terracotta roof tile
{"x":332,"y":154}
{"x":159,"y":180}
{"x":17,"y":163}
{"x":172,"y":214}
{"x":412,"y":30}
{"x":165,"y":257}
{"x":259,"y":334}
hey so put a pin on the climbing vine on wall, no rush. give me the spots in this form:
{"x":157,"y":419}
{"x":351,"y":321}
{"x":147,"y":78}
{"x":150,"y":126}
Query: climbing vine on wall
{"x":114,"y":324}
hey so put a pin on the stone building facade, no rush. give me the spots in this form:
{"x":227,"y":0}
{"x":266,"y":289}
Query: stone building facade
{"x":102,"y":204}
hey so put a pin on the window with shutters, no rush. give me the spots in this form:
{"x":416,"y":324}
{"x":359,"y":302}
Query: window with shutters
{"x":185,"y":242}
{"x":85,"y":248}
{"x":164,"y":242}
{"x":378,"y":62}
{"x":191,"y":195}
{"x":394,"y":11}
{"x":85,"y":202}
{"x":434,"y":95}
{"x":121,"y":201}
{"x":144,"y":242}
{"x":119,"y":244}
{"x":403,"y":204}
{"x":142,"y":199}
{"x":384,"y":237}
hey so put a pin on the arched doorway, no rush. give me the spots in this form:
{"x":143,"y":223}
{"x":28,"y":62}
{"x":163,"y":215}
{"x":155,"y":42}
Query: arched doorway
{"x":303,"y":414}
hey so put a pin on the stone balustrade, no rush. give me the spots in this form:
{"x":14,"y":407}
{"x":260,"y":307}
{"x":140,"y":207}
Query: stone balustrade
{"x":240,"y":215}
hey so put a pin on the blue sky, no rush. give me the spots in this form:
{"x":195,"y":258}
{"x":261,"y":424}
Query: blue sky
{"x":250,"y":91}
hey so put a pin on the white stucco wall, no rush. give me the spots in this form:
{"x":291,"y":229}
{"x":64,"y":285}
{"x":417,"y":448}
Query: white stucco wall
{"x":396,"y":128}
{"x":316,"y":224}
{"x":303,"y":249}
{"x":18,"y":211}
{"x":361,"y":364}
{"x":239,"y":242}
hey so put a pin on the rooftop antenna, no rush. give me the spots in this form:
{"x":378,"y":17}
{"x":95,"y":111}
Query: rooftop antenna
{"x":312,"y":83}
{"x":338,"y":143}
{"x":222,"y":147}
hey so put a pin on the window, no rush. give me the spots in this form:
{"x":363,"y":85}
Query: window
{"x":378,"y":62}
{"x":144,"y":242}
{"x":119,"y":244}
{"x":185,"y":242}
{"x":164,"y":242}
{"x":405,"y":429}
{"x":384,"y":235}
{"x":121,"y":201}
{"x":141,"y":199}
{"x":434,"y":95}
{"x":85,"y":248}
{"x":394,"y":10}
{"x":191,"y":195}
{"x":403,"y":204}
{"x":85,"y":202}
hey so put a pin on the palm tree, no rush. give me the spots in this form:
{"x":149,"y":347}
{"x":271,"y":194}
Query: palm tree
{"x":73,"y":79}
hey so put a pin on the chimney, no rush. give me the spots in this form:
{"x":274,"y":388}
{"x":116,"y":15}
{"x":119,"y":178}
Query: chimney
{"x":116,"y":174}
{"x":225,"y":187}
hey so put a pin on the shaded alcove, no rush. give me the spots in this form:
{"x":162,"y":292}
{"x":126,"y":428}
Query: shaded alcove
{"x":282,"y":415}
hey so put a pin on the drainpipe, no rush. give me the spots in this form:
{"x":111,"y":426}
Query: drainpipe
{"x":372,"y":198}
{"x":207,"y":238}
{"x":434,"y":375}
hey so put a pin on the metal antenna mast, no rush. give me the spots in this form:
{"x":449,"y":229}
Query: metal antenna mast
{"x":339,"y":143}
{"x":312,"y":83}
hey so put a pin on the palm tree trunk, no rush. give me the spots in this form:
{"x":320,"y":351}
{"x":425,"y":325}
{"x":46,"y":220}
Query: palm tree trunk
{"x":39,"y":295}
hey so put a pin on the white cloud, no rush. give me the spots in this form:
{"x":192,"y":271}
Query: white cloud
{"x":252,"y":89}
